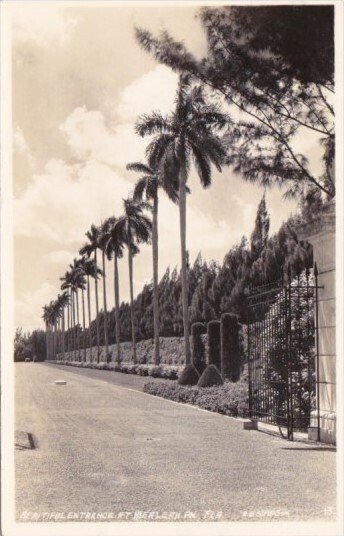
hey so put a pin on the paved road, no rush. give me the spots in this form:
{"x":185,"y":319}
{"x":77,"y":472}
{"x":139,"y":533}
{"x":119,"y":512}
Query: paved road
{"x":133,"y":381}
{"x":104,"y":448}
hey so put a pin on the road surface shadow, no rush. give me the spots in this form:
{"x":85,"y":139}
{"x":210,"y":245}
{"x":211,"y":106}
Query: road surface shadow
{"x":24,"y":440}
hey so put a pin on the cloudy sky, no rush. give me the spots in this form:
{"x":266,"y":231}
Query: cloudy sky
{"x":79,"y":82}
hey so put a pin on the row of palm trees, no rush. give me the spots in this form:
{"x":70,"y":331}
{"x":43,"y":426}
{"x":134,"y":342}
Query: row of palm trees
{"x":191,"y":132}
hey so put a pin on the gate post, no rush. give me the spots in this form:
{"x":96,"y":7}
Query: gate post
{"x":320,"y":233}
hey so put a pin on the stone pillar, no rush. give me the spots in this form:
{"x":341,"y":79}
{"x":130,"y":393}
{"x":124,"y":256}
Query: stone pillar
{"x":320,"y":233}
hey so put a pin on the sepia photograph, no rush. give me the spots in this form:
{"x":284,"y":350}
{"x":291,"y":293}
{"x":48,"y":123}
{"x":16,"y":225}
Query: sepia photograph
{"x":171,"y":268}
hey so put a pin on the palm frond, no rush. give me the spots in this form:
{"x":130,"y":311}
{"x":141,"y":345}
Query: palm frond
{"x":203,"y":167}
{"x":154,"y":123}
{"x":140,"y":168}
{"x":171,"y":189}
{"x":156,"y":149}
{"x":139,"y":189}
{"x":86,"y":250}
{"x":169,"y":168}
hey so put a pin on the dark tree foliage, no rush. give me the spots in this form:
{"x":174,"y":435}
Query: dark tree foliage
{"x":214,"y":289}
{"x":230,"y":347}
{"x":38,"y":342}
{"x":273,"y":67}
{"x":29,"y":345}
{"x":214,"y":343}
{"x":189,"y":375}
{"x":260,"y":233}
{"x":198,"y":347}
{"x":211,"y":376}
{"x":301,"y":36}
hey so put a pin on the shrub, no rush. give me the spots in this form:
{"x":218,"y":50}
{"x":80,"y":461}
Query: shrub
{"x":161,"y":371}
{"x":214,"y":345}
{"x":156,"y":372}
{"x":198,"y":349}
{"x":189,"y":375}
{"x":228,"y":399}
{"x":211,"y":376}
{"x":230,"y":352}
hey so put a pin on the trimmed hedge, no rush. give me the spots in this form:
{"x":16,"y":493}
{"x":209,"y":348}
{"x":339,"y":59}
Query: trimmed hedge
{"x":211,"y":376}
{"x":189,"y":375}
{"x":228,"y":399}
{"x":214,"y":343}
{"x":230,"y":351}
{"x":168,"y":372}
{"x":198,"y":348}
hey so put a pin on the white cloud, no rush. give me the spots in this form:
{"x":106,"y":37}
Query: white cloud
{"x":60,"y":256}
{"x":89,"y":137}
{"x":248,"y":210}
{"x":204,"y":233}
{"x":21,"y":146}
{"x":28,"y":308}
{"x":42,"y":24}
{"x":155,"y":90}
{"x":61,"y":203}
{"x":115,"y":143}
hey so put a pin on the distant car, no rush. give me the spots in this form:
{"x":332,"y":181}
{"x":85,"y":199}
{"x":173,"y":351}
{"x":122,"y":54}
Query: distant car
{"x":27,"y":359}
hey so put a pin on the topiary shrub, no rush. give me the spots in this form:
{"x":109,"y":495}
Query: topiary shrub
{"x":189,"y":375}
{"x":230,"y":351}
{"x":198,"y":348}
{"x":214,"y":343}
{"x":211,"y":376}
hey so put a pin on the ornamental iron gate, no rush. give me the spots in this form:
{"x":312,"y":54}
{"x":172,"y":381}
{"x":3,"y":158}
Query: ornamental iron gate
{"x":283,"y":352}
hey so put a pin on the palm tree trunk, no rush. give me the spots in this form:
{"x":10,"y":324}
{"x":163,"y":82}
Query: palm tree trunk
{"x":105,"y":313}
{"x":68,"y":328}
{"x":83,"y":322}
{"x":182,"y":218}
{"x":73,"y":327}
{"x":57,"y":338}
{"x":133,"y":335}
{"x":63,"y":335}
{"x":118,"y":331}
{"x":97,"y":304}
{"x":89,"y":315}
{"x":57,"y":350}
{"x":155,"y":279}
{"x":49,"y":342}
{"x":77,"y":322}
{"x":54,"y":339}
{"x":46,"y":342}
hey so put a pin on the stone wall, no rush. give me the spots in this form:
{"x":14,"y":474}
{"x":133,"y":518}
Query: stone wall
{"x":320,"y":232}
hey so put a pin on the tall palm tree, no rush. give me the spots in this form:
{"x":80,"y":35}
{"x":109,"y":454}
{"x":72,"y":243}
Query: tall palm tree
{"x":63,"y":302}
{"x":148,"y":186}
{"x":87,"y":250}
{"x":185,"y":134}
{"x":54,"y":314}
{"x":47,"y":320}
{"x":106,"y":252}
{"x":90,"y":271}
{"x":135,"y":228}
{"x":112,"y":244}
{"x":67,"y":286}
{"x":78,"y":283}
